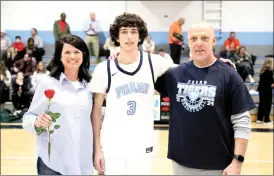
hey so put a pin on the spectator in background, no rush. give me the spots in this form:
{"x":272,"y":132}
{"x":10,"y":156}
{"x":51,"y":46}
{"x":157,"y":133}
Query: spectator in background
{"x":265,"y":90}
{"x":38,"y":44}
{"x":165,"y":55}
{"x":5,"y":83}
{"x":92,"y":30}
{"x":38,"y":73}
{"x":110,"y":47}
{"x":25,"y":65}
{"x":5,"y":45}
{"x":231,"y":45}
{"x":61,"y":27}
{"x":20,"y":95}
{"x":243,"y":63}
{"x":175,"y":39}
{"x":148,"y":45}
{"x":18,"y":47}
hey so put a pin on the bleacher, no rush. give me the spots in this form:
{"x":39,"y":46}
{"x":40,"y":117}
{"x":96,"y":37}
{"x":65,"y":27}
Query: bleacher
{"x":255,"y":96}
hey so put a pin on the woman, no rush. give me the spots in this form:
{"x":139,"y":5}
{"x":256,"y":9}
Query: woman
{"x":20,"y":92}
{"x":5,"y":82}
{"x":72,"y":143}
{"x":265,"y":91}
{"x":38,"y":73}
{"x":243,"y":63}
{"x":38,"y":44}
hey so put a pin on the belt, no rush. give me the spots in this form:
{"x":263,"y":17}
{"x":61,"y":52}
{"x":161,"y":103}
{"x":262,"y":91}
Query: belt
{"x":91,"y":34}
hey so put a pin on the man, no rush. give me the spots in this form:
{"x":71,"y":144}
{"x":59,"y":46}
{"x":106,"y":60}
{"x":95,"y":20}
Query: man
{"x":175,"y":39}
{"x":5,"y":45}
{"x":148,"y":45}
{"x":92,"y":30}
{"x":61,"y":27}
{"x":165,"y":55}
{"x":231,"y":45}
{"x":127,"y":83}
{"x":210,"y":121}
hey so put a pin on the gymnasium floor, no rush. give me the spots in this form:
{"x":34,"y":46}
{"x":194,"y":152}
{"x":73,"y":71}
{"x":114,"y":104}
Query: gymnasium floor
{"x":18,"y":151}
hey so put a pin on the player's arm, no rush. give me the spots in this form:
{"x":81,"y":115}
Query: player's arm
{"x":96,"y":118}
{"x":98,"y":86}
{"x":241,"y":103}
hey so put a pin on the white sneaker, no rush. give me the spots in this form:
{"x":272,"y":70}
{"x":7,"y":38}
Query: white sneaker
{"x":258,"y":121}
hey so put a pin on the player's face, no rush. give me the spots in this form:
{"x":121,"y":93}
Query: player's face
{"x":128,"y":38}
{"x":72,"y":57}
{"x":201,"y":41}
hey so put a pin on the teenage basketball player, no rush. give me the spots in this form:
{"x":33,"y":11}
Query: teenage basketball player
{"x":124,"y":145}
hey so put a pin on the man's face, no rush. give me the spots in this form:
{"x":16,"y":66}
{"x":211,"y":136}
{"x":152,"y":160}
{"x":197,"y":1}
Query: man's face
{"x":92,"y":16}
{"x":63,"y":17}
{"x":201,"y":41}
{"x":148,"y":38}
{"x":161,"y":53}
{"x":231,"y":36}
{"x":128,"y":38}
{"x":18,"y":40}
{"x":181,"y":21}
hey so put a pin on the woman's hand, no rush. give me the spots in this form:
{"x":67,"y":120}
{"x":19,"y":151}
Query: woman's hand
{"x":43,"y":120}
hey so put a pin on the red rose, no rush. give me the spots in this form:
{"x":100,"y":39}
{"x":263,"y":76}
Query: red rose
{"x":49,"y":93}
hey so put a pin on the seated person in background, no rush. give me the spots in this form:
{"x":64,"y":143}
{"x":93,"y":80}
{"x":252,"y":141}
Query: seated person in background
{"x":165,"y":55}
{"x":38,"y":73}
{"x":5,"y":45}
{"x":5,"y":82}
{"x":109,"y":47}
{"x":20,"y":95}
{"x":231,"y":45}
{"x":38,"y":44}
{"x":18,"y":47}
{"x":148,"y":45}
{"x":243,"y":63}
{"x":30,"y":48}
{"x":25,"y":65}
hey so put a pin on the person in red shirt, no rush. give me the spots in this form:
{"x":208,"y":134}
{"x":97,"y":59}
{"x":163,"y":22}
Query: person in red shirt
{"x":61,"y":27}
{"x":231,"y":45}
{"x":19,"y":47}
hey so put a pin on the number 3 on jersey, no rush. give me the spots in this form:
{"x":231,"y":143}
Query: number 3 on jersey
{"x":132,"y":107}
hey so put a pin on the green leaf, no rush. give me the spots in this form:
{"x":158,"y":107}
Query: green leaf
{"x":40,"y":130}
{"x":56,"y":126}
{"x":51,"y":131}
{"x":54,"y":116}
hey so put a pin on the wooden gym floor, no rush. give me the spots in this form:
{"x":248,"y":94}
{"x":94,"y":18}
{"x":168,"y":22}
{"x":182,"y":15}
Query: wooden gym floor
{"x":18,"y":151}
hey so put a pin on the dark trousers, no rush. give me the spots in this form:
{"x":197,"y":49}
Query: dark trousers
{"x":244,"y":70}
{"x":42,"y":169}
{"x":265,"y":105}
{"x":175,"y":53}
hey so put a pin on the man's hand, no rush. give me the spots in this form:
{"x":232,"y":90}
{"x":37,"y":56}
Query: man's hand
{"x":228,"y":61}
{"x":99,"y":161}
{"x":113,"y":54}
{"x":234,"y":168}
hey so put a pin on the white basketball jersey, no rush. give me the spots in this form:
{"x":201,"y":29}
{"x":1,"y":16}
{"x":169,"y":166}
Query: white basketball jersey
{"x":127,"y":128}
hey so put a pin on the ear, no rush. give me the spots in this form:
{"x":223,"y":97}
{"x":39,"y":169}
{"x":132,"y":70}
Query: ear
{"x":214,"y":41}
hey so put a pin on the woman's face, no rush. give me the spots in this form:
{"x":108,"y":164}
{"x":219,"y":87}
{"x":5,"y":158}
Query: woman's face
{"x":71,"y":57}
{"x":40,"y":66}
{"x":20,"y":75}
{"x":242,"y":51}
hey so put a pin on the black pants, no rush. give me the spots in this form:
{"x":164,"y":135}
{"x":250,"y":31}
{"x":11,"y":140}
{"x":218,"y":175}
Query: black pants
{"x":244,"y":70}
{"x":265,"y":105}
{"x":175,"y":53}
{"x":42,"y":169}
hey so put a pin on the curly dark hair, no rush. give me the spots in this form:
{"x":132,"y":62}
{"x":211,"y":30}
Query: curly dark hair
{"x":57,"y":65}
{"x":128,"y":20}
